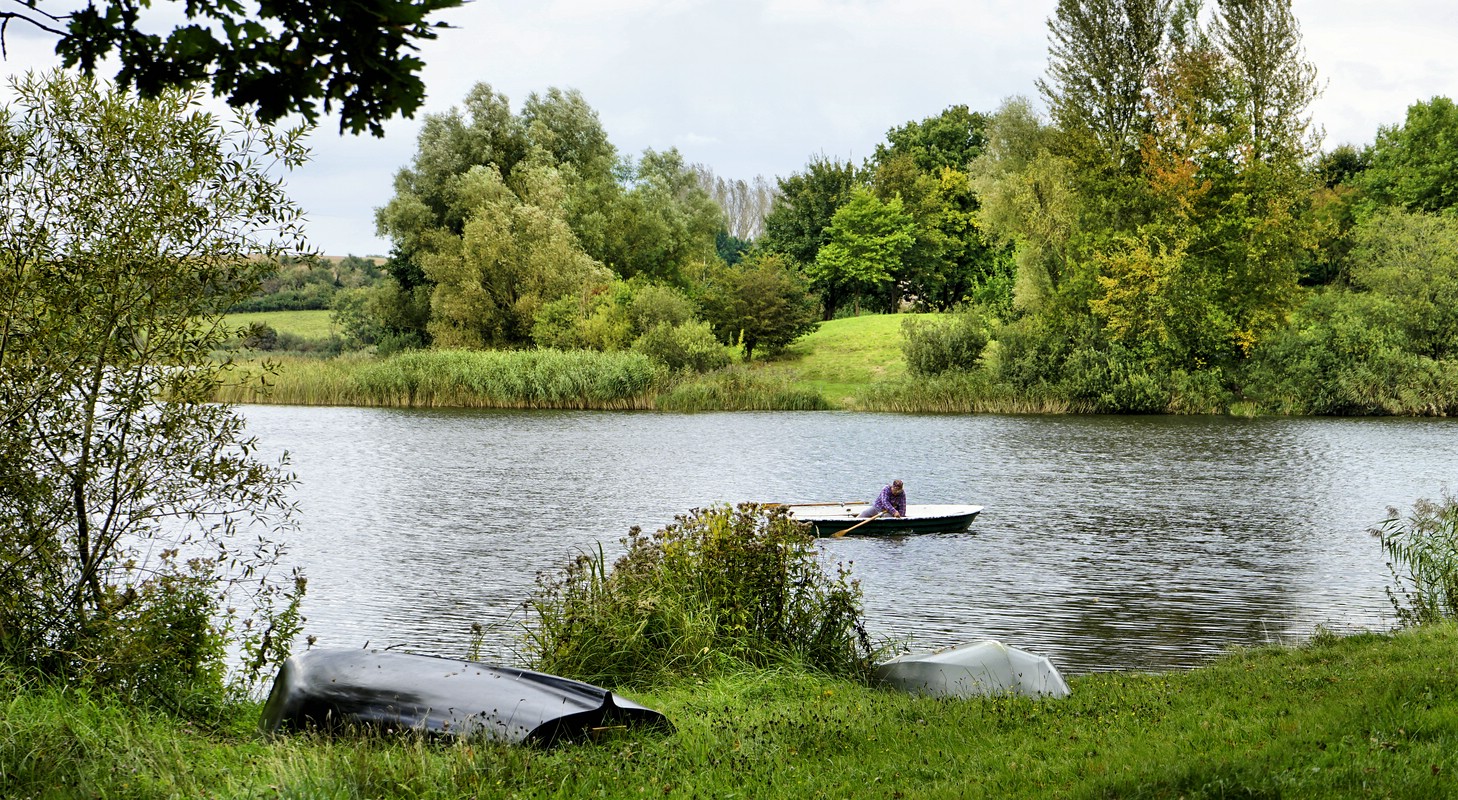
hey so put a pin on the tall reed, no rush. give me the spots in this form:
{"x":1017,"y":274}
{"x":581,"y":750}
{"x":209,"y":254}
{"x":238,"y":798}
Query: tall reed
{"x":457,"y":379}
{"x":740,"y":389}
{"x":958,"y":392}
{"x":1423,"y":553}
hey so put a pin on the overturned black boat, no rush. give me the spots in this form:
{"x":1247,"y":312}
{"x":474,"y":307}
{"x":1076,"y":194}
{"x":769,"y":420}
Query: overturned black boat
{"x":335,"y":690}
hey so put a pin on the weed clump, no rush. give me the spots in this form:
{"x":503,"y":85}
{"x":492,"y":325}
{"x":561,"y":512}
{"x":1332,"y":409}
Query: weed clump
{"x":719,"y":590}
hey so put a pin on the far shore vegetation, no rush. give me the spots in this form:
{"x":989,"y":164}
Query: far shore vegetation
{"x":861,"y":363}
{"x":1180,"y":241}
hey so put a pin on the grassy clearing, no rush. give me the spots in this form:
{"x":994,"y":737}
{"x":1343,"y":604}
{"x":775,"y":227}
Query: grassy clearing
{"x":1365,"y":716}
{"x":845,"y":355}
{"x":304,"y":324}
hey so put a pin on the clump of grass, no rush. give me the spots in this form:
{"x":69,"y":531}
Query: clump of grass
{"x":294,"y":380}
{"x":739,"y":388}
{"x":718,"y":590}
{"x":1423,"y":553}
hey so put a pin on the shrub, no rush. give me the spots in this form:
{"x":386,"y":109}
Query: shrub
{"x":259,"y":336}
{"x":654,"y":305}
{"x":1115,"y":380}
{"x":1423,"y":553}
{"x":956,"y":343}
{"x":1200,"y":392}
{"x":1028,"y":355}
{"x":690,"y":347}
{"x":718,"y":590}
{"x":1346,"y":354}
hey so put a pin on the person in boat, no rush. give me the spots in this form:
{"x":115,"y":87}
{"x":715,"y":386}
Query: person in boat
{"x":891,"y":502}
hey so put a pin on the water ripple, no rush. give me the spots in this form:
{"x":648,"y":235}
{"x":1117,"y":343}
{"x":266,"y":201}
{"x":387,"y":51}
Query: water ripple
{"x":1108,"y":542}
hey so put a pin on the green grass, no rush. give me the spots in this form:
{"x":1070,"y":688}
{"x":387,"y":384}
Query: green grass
{"x":305,"y":324}
{"x":845,"y":355}
{"x":1366,"y":716}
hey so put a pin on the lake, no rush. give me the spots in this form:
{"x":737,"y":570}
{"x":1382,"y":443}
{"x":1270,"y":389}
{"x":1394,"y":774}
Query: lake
{"x":1107,"y":543}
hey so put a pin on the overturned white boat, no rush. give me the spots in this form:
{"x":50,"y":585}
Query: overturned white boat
{"x":979,"y":668}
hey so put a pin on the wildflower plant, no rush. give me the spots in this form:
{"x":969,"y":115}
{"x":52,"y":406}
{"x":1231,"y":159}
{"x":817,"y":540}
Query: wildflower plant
{"x":718,"y":590}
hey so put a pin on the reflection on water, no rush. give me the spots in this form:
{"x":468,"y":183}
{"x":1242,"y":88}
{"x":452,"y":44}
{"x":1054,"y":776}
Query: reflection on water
{"x":1106,"y":543}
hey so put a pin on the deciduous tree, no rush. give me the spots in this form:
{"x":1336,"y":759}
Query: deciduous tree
{"x":866,"y":242}
{"x":129,"y":226}
{"x":760,"y":304}
{"x":1415,"y":165}
{"x":797,"y":225}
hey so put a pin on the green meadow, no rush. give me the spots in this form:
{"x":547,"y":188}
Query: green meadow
{"x":304,"y":324}
{"x":1363,"y":716}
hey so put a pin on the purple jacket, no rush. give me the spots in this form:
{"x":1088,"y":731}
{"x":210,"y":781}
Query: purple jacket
{"x":891,"y":502}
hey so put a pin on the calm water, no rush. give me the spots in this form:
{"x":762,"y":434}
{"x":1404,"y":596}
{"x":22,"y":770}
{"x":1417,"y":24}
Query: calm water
{"x":1106,"y":543}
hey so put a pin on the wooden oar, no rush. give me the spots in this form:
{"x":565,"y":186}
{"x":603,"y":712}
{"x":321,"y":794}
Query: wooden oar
{"x":857,"y":525}
{"x":808,"y":505}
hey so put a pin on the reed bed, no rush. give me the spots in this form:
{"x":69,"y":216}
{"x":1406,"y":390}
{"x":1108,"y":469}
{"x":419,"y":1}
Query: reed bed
{"x":738,"y":388}
{"x":531,"y":379}
{"x":959,"y":393}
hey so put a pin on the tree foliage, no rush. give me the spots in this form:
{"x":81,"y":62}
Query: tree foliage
{"x":502,"y":214}
{"x":303,"y":57}
{"x":797,"y":224}
{"x":925,"y":164}
{"x":865,"y":246}
{"x":1411,"y":258}
{"x":1415,"y":165}
{"x":129,"y":226}
{"x":1100,"y":56}
{"x":1170,"y":199}
{"x":760,"y":303}
{"x":514,"y":254}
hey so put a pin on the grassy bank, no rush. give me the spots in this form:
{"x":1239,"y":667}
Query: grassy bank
{"x":1365,"y":716}
{"x":827,"y":369}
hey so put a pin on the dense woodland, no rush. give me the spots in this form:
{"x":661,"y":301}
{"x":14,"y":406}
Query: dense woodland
{"x":1170,"y":237}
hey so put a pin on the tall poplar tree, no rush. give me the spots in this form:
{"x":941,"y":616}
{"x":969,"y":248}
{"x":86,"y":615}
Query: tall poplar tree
{"x":1101,"y":54}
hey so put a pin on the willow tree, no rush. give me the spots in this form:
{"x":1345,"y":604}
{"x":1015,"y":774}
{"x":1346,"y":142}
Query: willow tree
{"x":516,"y":253}
{"x":129,"y":226}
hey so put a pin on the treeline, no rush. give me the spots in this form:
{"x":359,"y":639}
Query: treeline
{"x":310,"y":284}
{"x":519,"y":230}
{"x":1182,"y":244}
{"x":1170,"y":237}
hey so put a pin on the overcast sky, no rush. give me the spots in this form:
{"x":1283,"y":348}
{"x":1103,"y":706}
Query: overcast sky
{"x":757,"y":87}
